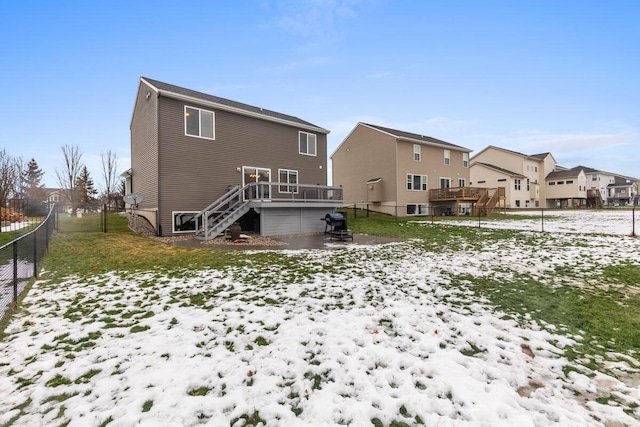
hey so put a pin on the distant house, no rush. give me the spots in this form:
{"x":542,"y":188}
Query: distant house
{"x":566,"y":188}
{"x":623,"y":192}
{"x":400,"y":173}
{"x":612,"y":189}
{"x":522,"y":175}
{"x":201,"y":162}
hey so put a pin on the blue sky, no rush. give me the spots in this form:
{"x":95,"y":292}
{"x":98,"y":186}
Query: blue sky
{"x":530,"y":76}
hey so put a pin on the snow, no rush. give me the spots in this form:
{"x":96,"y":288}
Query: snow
{"x":326,"y":338}
{"x":14,"y":226}
{"x":619,"y":222}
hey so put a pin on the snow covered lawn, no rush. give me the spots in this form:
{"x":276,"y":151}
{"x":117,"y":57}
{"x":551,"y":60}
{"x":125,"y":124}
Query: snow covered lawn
{"x":364,"y":336}
{"x":591,"y":221}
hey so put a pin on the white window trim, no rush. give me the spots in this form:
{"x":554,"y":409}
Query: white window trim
{"x":447,"y":157}
{"x":465,"y":160}
{"x":424,"y":182}
{"x":462,"y":181}
{"x":288,"y":184}
{"x":173,"y":222}
{"x":417,"y":153}
{"x":200,"y":110}
{"x":420,"y":209}
{"x":315,"y":143}
{"x":444,"y":177}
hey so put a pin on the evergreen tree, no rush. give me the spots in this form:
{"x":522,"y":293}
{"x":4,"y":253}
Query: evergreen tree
{"x":33,"y":190}
{"x":85,"y":188}
{"x":32,"y":186}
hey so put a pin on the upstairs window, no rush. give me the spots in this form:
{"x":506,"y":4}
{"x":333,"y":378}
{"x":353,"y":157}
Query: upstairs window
{"x":461,"y":182}
{"x":465,"y":160}
{"x":516,"y":184}
{"x":417,"y":152}
{"x":199,"y":123}
{"x":447,"y":157}
{"x":307,"y":144}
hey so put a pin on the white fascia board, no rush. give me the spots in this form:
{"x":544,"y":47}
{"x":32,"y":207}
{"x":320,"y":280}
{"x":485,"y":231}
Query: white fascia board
{"x":435,"y":144}
{"x":240,"y":111}
{"x":136,"y":100}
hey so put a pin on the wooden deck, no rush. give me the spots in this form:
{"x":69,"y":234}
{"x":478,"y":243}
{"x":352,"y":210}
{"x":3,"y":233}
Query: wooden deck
{"x":483,"y":200}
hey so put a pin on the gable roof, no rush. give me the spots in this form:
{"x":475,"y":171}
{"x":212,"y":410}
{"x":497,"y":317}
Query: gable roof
{"x":498,"y":169}
{"x":567,"y":173}
{"x":587,"y":169}
{"x":416,"y":138}
{"x":177,"y":92}
{"x":538,"y":157}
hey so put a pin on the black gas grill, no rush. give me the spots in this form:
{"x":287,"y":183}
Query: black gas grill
{"x":336,"y":226}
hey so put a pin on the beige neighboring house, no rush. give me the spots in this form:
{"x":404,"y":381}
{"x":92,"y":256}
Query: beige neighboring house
{"x":522,"y":175}
{"x":611,"y":189}
{"x":399,"y":173}
{"x":566,"y":188}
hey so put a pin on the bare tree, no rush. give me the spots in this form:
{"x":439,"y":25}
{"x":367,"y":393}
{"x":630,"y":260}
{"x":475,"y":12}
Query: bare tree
{"x":9,"y":175}
{"x":110,"y":175}
{"x":68,"y":175}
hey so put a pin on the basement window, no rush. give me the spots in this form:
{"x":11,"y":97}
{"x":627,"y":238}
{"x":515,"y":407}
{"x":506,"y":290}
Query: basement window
{"x":184,"y":222}
{"x":416,"y":209}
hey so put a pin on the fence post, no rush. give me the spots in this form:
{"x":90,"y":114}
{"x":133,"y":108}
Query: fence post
{"x":15,"y":272}
{"x":104,"y":215}
{"x":633,"y":221}
{"x":355,"y":215}
{"x":479,"y":210}
{"x":35,"y":254}
{"x":367,"y":210}
{"x":542,"y":218}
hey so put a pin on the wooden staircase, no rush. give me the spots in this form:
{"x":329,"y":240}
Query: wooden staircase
{"x":594,"y":199}
{"x":488,"y":201}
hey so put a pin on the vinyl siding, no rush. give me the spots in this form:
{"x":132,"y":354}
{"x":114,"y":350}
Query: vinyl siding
{"x":144,"y":148}
{"x":278,"y":222}
{"x":365,"y":154}
{"x":193,"y":172}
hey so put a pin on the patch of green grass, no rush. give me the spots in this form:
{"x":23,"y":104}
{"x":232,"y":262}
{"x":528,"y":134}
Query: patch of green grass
{"x":139,"y":328}
{"x":59,"y":397}
{"x":58,"y":380}
{"x":249,"y":420}
{"x":200,"y":391}
{"x":146,"y":406}
{"x":85,"y":378}
{"x":261,"y":341}
{"x":595,"y":314}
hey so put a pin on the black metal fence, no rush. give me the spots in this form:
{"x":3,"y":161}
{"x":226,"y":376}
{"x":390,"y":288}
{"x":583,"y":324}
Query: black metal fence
{"x":617,"y":221}
{"x":20,"y":258}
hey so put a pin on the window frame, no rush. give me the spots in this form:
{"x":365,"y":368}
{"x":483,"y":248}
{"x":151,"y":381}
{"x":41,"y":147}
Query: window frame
{"x":174,"y":230}
{"x":315,"y":144}
{"x":447,"y":157}
{"x":200,"y":111}
{"x":419,"y":209}
{"x":517,"y":184}
{"x":417,"y":153}
{"x":424,"y":182}
{"x":288,"y":188}
{"x":461,"y":182}
{"x":465,"y":160}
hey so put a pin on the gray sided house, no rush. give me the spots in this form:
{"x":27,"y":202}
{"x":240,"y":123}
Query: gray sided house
{"x":201,"y":163}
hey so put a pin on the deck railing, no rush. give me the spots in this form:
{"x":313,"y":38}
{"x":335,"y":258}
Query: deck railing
{"x":455,"y":193}
{"x":299,"y":193}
